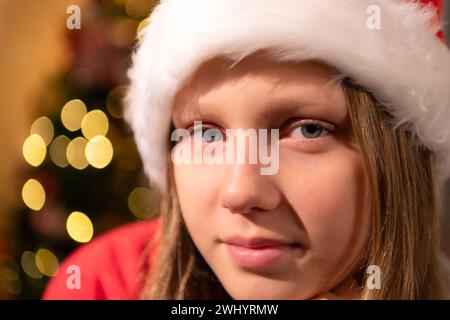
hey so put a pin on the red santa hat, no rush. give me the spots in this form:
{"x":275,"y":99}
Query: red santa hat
{"x":403,"y":63}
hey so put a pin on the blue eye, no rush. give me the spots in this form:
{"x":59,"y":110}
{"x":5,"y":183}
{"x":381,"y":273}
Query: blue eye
{"x":206,"y":134}
{"x":311,"y":130}
{"x":212,"y":135}
{"x":308,"y":131}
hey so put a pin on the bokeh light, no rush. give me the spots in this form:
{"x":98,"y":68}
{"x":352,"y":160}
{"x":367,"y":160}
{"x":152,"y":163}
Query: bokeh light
{"x":9,"y":275}
{"x":138,"y":8}
{"x":28,"y":263}
{"x":143,"y":203}
{"x":99,"y":152}
{"x":58,"y":149}
{"x":43,"y":126}
{"x":140,"y":27}
{"x":95,"y":123}
{"x":33,"y":195}
{"x":79,"y":227}
{"x":77,"y":118}
{"x":123,"y":32}
{"x":114,"y":101}
{"x":72,"y":114}
{"x":46,"y":262}
{"x":75,"y":153}
{"x":34,"y":150}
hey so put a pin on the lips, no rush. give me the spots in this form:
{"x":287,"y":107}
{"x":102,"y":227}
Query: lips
{"x":257,"y":242}
{"x":259,"y":252}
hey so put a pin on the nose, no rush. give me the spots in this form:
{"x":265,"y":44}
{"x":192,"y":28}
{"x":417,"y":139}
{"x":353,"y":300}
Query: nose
{"x":245,"y":190}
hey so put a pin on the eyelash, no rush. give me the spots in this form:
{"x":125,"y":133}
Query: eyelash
{"x":323,"y":126}
{"x":295,"y":124}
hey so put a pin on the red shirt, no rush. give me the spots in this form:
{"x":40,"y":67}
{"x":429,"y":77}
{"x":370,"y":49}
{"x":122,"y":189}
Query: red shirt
{"x":112,"y":266}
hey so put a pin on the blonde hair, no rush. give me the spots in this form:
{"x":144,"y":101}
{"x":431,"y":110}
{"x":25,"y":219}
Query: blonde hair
{"x":404,"y":239}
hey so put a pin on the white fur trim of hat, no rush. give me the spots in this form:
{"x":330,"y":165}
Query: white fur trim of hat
{"x":403,"y":63}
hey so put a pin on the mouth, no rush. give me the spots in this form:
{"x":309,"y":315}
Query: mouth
{"x":261,"y":255}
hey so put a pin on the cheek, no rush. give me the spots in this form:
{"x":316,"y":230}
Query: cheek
{"x":330,"y":197}
{"x":197,"y":187}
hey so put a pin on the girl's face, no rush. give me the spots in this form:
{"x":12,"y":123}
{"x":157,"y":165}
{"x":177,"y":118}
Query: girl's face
{"x":318,"y":199}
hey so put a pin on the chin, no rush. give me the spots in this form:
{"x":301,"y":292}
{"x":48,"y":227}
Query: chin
{"x":266,"y":289}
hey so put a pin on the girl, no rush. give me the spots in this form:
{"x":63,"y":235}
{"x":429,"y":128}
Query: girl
{"x":356,"y":92}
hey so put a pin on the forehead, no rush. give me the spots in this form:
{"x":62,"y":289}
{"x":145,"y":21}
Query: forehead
{"x":259,"y":78}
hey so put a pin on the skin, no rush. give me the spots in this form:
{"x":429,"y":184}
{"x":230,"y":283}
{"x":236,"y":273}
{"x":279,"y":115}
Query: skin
{"x":319,"y":196}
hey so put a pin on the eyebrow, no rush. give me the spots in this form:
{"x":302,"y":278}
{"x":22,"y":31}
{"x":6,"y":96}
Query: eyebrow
{"x":187,"y":113}
{"x":281,"y":108}
{"x":272,"y":110}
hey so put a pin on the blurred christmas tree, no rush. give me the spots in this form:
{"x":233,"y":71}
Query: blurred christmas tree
{"x":83,"y":172}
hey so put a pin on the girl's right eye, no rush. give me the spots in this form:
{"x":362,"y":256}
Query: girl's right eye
{"x":207,"y":134}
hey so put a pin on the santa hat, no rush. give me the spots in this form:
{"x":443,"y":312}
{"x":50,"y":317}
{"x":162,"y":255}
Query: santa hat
{"x":403,"y":63}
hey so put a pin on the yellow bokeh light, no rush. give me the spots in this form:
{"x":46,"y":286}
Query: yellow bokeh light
{"x":46,"y":262}
{"x":141,"y":26}
{"x":123,"y":32}
{"x":95,"y":123}
{"x":75,"y":153}
{"x":58,"y":151}
{"x":114,"y":101}
{"x":138,"y":8}
{"x":8,"y":269}
{"x":34,"y":150}
{"x":28,"y":262}
{"x":33,"y":195}
{"x":79,"y":227}
{"x":43,"y":126}
{"x":9,"y":275}
{"x":99,"y":152}
{"x":72,"y":114}
{"x":143,"y":203}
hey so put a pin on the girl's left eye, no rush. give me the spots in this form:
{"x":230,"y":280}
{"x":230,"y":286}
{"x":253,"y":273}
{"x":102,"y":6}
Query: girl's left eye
{"x":307,"y":130}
